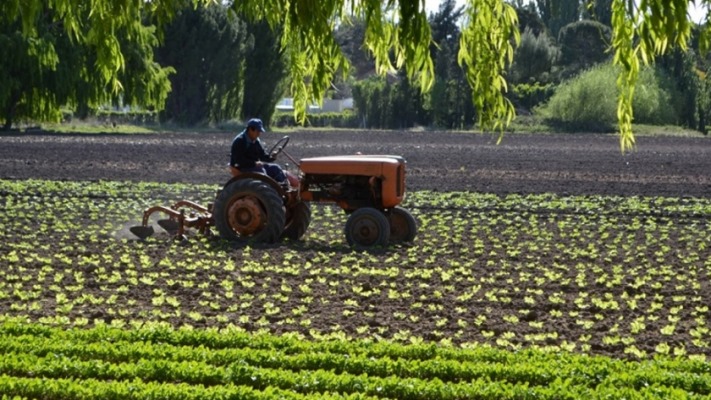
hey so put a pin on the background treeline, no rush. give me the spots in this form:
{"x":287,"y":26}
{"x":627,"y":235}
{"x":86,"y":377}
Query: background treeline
{"x":210,"y":66}
{"x":207,"y":66}
{"x":562,"y":73}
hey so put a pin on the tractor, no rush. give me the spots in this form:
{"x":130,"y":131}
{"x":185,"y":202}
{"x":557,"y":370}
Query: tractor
{"x":252,"y":207}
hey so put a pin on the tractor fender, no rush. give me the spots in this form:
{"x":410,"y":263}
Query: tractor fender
{"x":260,"y":177}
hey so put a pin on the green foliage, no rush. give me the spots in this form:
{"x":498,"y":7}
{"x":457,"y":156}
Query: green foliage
{"x":140,"y":118}
{"x":30,"y":88}
{"x":350,"y":36}
{"x":144,"y":83}
{"x":682,"y":70}
{"x":307,"y":38}
{"x":384,"y":105}
{"x":600,"y":11}
{"x":449,"y":102}
{"x":528,"y":96}
{"x":583,"y":44}
{"x":588,"y":101}
{"x":486,"y":49}
{"x":265,"y":73}
{"x":534,"y":58}
{"x":52,"y":69}
{"x":157,"y":361}
{"x":529,"y":18}
{"x":345,"y":119}
{"x":206,"y":48}
{"x":558,"y":13}
{"x":639,"y":35}
{"x":398,"y":30}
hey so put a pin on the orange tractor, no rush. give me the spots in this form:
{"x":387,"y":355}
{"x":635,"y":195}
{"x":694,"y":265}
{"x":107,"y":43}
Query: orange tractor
{"x":254,"y":207}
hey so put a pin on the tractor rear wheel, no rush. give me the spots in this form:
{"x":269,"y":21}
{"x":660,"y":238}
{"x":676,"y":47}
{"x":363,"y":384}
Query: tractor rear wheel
{"x":403,"y":226}
{"x":298,"y":219}
{"x":249,"y":210}
{"x":367,"y":227}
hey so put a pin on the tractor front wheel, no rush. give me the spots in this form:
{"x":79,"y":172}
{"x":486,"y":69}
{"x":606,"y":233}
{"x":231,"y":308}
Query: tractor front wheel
{"x":249,"y":210}
{"x":403,"y":226}
{"x":367,"y":227}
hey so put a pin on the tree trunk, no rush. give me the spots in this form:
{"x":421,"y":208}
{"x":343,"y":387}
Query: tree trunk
{"x":702,"y":120}
{"x":9,"y":114}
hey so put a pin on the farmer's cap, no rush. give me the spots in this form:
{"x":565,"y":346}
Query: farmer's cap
{"x":256,"y":123}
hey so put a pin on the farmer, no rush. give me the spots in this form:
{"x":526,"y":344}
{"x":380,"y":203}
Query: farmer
{"x":248,"y":155}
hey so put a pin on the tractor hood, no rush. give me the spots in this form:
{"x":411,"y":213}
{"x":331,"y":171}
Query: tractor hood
{"x":357,"y":164}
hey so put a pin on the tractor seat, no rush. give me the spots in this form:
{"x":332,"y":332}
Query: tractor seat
{"x":233,"y":170}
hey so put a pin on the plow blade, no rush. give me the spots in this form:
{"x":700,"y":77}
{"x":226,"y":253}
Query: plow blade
{"x":169,"y":225}
{"x":142,"y":231}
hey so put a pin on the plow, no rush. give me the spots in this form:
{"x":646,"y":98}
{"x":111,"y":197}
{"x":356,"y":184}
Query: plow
{"x":199,"y":218}
{"x":252,"y":207}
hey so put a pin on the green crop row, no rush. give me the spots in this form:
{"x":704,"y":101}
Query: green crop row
{"x":106,"y":363}
{"x":160,"y":341}
{"x":137,"y":389}
{"x":595,"y":205}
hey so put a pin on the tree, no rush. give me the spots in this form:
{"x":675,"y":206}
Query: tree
{"x":350,"y":36}
{"x":600,"y":11}
{"x":450,"y":101}
{"x":407,"y":105}
{"x":28,"y":87}
{"x":534,"y":58}
{"x":371,"y":98}
{"x":52,"y":69}
{"x":558,"y":13}
{"x":582,"y":45}
{"x":264,"y":74}
{"x":641,"y":31}
{"x":145,"y":83}
{"x":388,"y":102}
{"x":528,"y":18}
{"x":681,"y":67}
{"x":206,"y":48}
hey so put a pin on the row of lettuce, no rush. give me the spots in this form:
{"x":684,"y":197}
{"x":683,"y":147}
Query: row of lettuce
{"x":158,"y":361}
{"x":690,"y":207}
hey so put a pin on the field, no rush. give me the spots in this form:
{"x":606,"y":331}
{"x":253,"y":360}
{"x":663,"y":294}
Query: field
{"x":546,"y":267}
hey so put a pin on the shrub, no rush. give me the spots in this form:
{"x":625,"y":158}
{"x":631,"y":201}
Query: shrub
{"x":344,"y":119}
{"x":589,"y":101}
{"x":528,"y":96}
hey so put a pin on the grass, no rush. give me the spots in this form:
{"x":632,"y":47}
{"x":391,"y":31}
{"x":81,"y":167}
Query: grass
{"x":525,"y":124}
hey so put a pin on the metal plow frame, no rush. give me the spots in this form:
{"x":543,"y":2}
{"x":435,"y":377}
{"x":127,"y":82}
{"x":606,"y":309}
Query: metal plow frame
{"x":200,"y":218}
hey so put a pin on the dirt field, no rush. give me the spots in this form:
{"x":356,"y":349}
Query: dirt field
{"x":522,"y":164}
{"x":563,"y":164}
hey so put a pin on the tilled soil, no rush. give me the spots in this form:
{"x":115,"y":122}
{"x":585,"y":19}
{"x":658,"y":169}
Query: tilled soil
{"x":443,"y":161}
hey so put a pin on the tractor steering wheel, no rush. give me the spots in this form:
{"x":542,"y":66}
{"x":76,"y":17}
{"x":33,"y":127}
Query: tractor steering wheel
{"x":278,"y":147}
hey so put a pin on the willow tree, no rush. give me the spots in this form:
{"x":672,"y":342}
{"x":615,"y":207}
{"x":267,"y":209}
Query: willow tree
{"x":49,"y":61}
{"x":398,"y":35}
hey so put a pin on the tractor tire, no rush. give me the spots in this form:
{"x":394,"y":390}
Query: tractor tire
{"x":367,"y":227}
{"x":298,"y":219}
{"x":403,"y":226}
{"x":249,"y":210}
